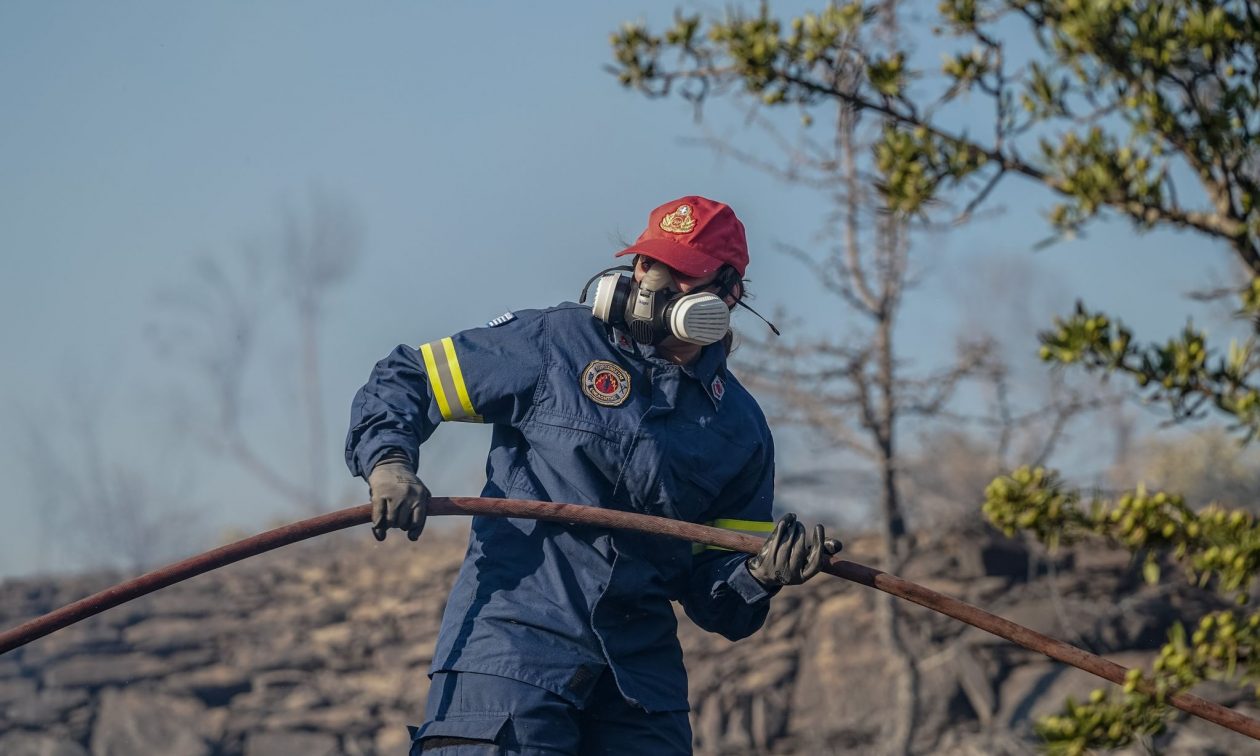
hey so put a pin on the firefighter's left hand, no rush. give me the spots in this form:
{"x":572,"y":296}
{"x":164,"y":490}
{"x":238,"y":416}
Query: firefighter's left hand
{"x":791,"y":555}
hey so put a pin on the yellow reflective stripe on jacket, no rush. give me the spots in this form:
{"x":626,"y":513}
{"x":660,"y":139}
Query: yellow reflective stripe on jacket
{"x":751,"y":527}
{"x":747,"y":527}
{"x":458,"y":376}
{"x":447,"y":381}
{"x":435,"y":382}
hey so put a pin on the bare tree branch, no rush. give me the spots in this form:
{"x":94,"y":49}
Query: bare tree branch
{"x":214,"y":326}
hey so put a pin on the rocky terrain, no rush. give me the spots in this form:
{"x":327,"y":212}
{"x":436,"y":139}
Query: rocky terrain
{"x":321,"y":648}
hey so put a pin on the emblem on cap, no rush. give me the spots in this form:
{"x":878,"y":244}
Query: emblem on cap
{"x":606,"y":383}
{"x":681,"y":221}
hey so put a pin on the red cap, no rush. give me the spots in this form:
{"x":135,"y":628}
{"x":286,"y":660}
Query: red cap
{"x":694,"y":236}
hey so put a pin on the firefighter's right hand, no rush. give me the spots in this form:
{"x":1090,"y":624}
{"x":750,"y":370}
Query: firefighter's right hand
{"x":399,"y":499}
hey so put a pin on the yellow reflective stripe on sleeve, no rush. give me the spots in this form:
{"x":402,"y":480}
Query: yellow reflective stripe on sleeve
{"x":447,"y":380}
{"x":748,"y":527}
{"x":751,"y":526}
{"x":457,"y":377}
{"x":435,"y":380}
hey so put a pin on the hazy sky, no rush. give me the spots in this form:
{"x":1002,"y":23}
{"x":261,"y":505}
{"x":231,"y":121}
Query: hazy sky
{"x":493,"y":165}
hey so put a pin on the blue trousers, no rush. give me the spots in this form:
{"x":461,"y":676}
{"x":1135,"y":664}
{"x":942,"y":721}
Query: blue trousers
{"x":469,"y":713}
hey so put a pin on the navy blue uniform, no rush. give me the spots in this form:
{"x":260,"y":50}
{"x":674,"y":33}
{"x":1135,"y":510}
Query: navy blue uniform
{"x":583,"y":415}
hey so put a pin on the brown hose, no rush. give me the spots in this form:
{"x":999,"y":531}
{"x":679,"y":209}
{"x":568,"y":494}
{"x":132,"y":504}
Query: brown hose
{"x":585,"y":515}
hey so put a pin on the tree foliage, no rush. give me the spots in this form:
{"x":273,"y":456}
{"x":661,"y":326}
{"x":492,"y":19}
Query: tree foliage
{"x":1182,"y":372}
{"x":1121,"y":104}
{"x":1215,"y":546}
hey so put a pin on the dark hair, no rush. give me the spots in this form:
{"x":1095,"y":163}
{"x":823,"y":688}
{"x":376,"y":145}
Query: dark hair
{"x":729,"y":278}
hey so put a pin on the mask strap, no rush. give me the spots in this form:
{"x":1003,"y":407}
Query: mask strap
{"x":726,"y":285}
{"x":754,"y":312}
{"x":591,"y":280}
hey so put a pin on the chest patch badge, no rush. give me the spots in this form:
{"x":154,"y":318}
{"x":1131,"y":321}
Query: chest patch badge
{"x":717,"y":388}
{"x":606,"y":383}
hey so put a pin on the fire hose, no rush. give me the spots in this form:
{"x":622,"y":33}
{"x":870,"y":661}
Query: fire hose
{"x":587,"y":515}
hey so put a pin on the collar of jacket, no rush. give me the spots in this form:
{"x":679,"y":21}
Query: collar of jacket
{"x":709,"y":370}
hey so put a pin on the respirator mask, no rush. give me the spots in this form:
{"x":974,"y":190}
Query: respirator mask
{"x":653,"y":309}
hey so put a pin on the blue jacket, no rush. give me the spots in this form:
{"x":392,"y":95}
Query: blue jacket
{"x":583,"y":415}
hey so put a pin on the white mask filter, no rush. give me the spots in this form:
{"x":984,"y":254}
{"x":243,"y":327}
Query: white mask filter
{"x":603,"y":306}
{"x":700,"y":318}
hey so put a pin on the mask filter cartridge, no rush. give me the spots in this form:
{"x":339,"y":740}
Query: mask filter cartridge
{"x":699,"y":318}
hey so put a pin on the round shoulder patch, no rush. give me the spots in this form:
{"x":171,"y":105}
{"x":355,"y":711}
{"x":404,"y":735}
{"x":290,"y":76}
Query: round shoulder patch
{"x":606,"y":383}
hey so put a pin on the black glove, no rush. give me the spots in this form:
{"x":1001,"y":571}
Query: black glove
{"x":399,"y":499}
{"x":790,"y":556}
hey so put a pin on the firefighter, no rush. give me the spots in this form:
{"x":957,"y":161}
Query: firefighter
{"x":562,"y":638}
